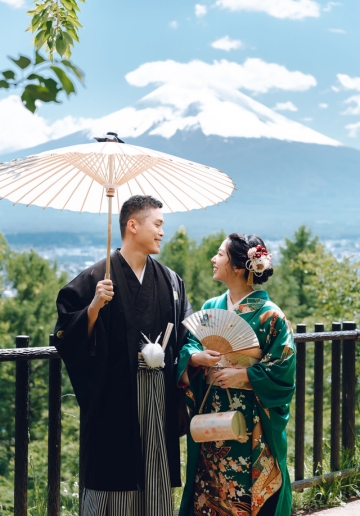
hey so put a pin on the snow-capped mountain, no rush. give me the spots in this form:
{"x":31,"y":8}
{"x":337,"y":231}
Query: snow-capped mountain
{"x":226,"y":113}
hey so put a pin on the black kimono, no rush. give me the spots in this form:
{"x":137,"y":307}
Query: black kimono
{"x":103,"y":369}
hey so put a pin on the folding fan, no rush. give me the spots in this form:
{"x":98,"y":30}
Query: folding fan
{"x":223,"y":331}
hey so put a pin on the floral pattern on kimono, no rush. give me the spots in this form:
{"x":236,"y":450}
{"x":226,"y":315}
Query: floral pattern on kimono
{"x":235,"y":477}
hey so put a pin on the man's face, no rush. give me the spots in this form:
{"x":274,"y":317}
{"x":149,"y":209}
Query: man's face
{"x":149,"y":230}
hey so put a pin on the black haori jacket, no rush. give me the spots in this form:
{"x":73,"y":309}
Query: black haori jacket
{"x":103,"y":372}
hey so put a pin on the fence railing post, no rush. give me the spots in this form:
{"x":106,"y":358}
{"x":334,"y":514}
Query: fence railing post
{"x":348,"y":391}
{"x":318,"y":401}
{"x":21,"y":431}
{"x":335,"y":400}
{"x":300,"y":405}
{"x":54,"y":435}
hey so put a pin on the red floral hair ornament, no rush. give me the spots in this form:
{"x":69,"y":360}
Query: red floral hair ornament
{"x":259,"y":260}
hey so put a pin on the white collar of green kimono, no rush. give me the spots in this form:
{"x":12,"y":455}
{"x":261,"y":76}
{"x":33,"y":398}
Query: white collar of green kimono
{"x":231,"y":306}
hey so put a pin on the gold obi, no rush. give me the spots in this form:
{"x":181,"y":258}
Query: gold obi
{"x":236,"y":360}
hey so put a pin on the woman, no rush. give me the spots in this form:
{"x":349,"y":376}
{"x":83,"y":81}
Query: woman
{"x":247,"y":477}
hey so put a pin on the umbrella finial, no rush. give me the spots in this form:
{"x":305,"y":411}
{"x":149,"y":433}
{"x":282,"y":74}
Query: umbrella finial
{"x":109,"y":137}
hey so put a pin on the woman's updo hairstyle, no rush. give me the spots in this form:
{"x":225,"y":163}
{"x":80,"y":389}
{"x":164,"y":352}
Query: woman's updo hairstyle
{"x":237,"y":247}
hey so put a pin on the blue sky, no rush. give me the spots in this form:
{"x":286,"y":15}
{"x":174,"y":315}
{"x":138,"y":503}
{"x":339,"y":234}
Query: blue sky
{"x":317,"y":39}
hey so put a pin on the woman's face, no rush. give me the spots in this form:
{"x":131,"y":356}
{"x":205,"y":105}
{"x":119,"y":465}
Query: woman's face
{"x":222,"y":270}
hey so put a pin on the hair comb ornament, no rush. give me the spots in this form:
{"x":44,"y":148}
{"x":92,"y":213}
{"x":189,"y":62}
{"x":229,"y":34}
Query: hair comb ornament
{"x":259,"y":261}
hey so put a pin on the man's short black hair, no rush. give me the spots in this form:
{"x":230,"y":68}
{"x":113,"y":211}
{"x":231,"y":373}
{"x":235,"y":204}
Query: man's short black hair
{"x":134,"y":205}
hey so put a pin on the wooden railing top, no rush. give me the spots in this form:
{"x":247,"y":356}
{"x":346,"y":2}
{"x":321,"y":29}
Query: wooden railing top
{"x":15,"y":354}
{"x":327,"y":335}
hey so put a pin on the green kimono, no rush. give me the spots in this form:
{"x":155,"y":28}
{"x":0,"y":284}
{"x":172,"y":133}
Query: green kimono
{"x":237,"y":477}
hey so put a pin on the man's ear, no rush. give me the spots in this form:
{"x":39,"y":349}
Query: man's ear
{"x":132,"y":226}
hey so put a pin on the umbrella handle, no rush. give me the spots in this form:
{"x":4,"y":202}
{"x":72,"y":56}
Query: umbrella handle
{"x":110,"y":192}
{"x":109,"y":233}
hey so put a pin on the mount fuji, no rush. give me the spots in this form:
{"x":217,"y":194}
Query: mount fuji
{"x":286,"y":174}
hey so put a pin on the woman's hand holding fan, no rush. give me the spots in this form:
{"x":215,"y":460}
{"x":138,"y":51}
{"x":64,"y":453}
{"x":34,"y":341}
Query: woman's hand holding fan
{"x":207,"y":358}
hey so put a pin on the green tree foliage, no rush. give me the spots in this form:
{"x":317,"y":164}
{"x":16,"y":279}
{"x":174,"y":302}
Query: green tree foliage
{"x":31,"y":311}
{"x":55,"y":24}
{"x":193,"y":264}
{"x":333,"y":286}
{"x":177,"y":253}
{"x":311,"y":285}
{"x":288,"y":285}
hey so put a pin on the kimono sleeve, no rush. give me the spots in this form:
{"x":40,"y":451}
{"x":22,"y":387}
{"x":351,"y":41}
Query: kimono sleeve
{"x":184,"y":371}
{"x":185,"y":311}
{"x":71,"y":330}
{"x":273,"y":378}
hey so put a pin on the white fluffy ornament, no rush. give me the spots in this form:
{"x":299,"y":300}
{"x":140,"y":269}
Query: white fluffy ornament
{"x":153,"y":353}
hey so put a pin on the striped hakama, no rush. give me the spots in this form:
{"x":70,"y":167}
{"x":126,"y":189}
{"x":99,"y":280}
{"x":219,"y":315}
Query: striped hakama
{"x":156,"y":499}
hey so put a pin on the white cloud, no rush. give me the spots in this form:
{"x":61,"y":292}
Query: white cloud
{"x":338,"y":31}
{"x":293,"y":9}
{"x":353,"y":129}
{"x":349,"y":83}
{"x":14,"y":3}
{"x":285,"y":106}
{"x":200,"y":10}
{"x":353,"y":110}
{"x":173,"y":24}
{"x":307,"y":119}
{"x":322,"y":105}
{"x":328,"y":7}
{"x":227,"y":44}
{"x":19,"y":129}
{"x":255,"y":75}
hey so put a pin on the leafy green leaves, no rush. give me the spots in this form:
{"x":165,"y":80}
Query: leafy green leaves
{"x":9,"y":74}
{"x":23,"y":62}
{"x":45,"y":91}
{"x":56,"y":25}
{"x":79,"y":74}
{"x":37,"y":86}
{"x":64,"y":79}
{"x":61,"y":45}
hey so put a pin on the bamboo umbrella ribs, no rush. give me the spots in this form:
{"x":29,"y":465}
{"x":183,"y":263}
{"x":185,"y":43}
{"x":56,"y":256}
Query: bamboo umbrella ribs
{"x":99,"y":177}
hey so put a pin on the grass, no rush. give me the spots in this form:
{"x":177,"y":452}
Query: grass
{"x":330,"y":494}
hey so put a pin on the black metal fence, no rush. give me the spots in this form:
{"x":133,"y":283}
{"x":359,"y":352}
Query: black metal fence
{"x":343,"y":338}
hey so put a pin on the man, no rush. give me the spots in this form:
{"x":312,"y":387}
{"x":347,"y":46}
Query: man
{"x":130,"y":430}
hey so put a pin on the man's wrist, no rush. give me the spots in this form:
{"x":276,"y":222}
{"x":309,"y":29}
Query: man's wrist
{"x":92,"y":312}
